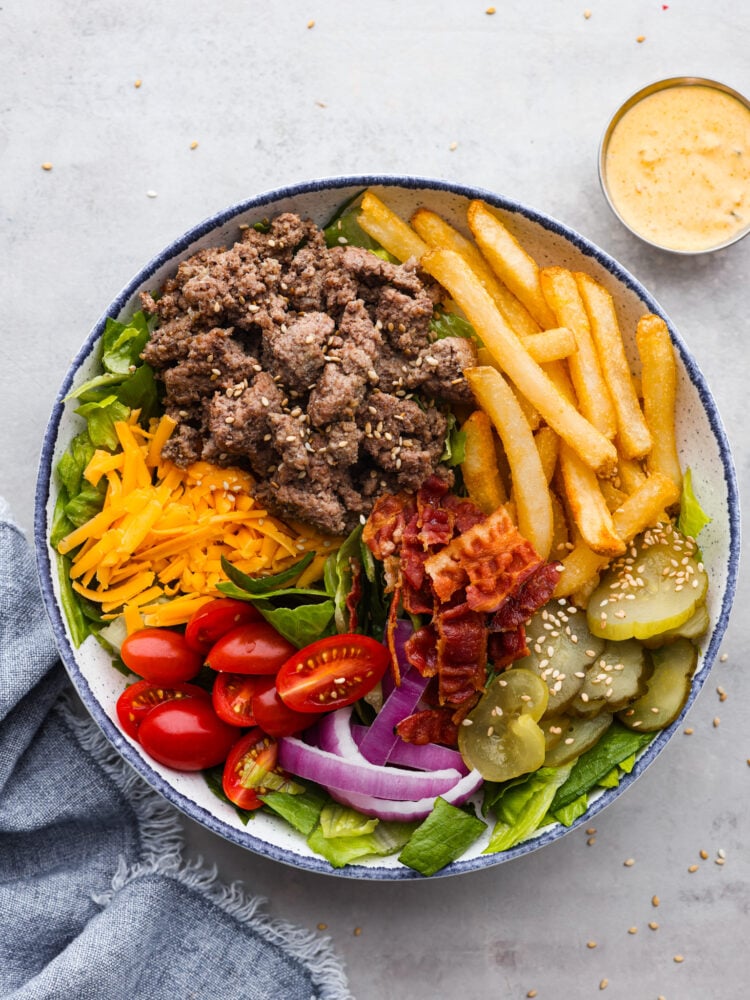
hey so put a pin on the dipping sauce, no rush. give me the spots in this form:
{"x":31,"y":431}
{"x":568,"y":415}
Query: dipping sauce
{"x":677,"y":167}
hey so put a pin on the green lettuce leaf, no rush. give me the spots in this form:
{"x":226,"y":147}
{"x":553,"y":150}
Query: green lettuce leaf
{"x":441,"y":838}
{"x":386,"y":838}
{"x":521,"y":809}
{"x":693,"y":518}
{"x":570,"y":813}
{"x":300,"y":811}
{"x":616,"y":745}
{"x":448,"y":324}
{"x":341,"y":821}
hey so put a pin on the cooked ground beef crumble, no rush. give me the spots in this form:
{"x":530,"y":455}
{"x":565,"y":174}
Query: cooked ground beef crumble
{"x":314,"y":367}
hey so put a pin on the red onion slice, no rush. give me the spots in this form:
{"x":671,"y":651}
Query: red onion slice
{"x":423,"y":757}
{"x":381,"y":737}
{"x":386,"y":809}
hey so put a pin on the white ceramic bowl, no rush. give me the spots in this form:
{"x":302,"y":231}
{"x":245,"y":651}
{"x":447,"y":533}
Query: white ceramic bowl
{"x":702,"y":443}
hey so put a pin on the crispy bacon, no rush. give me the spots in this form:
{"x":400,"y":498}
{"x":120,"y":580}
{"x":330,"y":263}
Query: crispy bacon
{"x":431,"y":725}
{"x":384,"y":527}
{"x":535,"y":593}
{"x":505,"y":648}
{"x":421,"y":650}
{"x":355,"y":594}
{"x":492,"y":560}
{"x":461,"y":653}
{"x":435,"y":520}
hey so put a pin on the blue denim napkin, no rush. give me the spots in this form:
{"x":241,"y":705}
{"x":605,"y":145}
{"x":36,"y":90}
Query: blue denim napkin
{"x":95,"y":898}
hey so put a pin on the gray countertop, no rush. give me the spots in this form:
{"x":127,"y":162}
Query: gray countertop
{"x":516,"y":102}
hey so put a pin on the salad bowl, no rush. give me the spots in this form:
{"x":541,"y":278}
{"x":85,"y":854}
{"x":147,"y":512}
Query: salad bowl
{"x":702,"y":446}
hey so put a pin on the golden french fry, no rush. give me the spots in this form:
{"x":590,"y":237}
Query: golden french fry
{"x":548,"y":445}
{"x":389,"y":229}
{"x":561,"y":543}
{"x":630,"y":473}
{"x":510,"y":262}
{"x":479,"y":467}
{"x":530,"y":492}
{"x":455,"y":275}
{"x":561,"y":291}
{"x":659,"y":384}
{"x":641,"y":510}
{"x":440,"y":235}
{"x":632,"y":431}
{"x":485,"y":357}
{"x":550,"y":345}
{"x":587,"y":504}
{"x":613,"y":497}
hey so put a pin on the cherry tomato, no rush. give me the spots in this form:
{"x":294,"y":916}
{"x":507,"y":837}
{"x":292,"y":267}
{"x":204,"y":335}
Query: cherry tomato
{"x":186,"y":734}
{"x":331,"y":673}
{"x":233,"y":696}
{"x":137,"y":700}
{"x":254,"y":648}
{"x":251,"y":760}
{"x":213,"y":619}
{"x":276,"y":718}
{"x":161,"y":656}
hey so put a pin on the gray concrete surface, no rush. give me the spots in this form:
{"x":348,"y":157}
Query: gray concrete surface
{"x":515,"y":102}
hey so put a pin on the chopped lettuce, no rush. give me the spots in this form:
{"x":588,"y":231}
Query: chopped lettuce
{"x":386,"y":838}
{"x":522,"y":806}
{"x":454,"y":448}
{"x":441,"y":838}
{"x":693,"y":518}
{"x":341,"y":821}
{"x":345,"y":230}
{"x":300,"y":811}
{"x":449,"y":324}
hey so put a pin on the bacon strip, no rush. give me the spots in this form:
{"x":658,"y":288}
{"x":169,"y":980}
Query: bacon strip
{"x":431,"y":725}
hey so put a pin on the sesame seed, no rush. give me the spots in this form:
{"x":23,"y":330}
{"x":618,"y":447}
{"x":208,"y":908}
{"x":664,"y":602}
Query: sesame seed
{"x":531,"y":994}
{"x":591,"y":944}
{"x":704,"y":854}
{"x":679,"y":958}
{"x":655,"y":901}
{"x":46,"y":165}
{"x":692,"y":868}
{"x":603,"y":984}
{"x":653,"y":925}
{"x":629,"y":862}
{"x":632,"y":930}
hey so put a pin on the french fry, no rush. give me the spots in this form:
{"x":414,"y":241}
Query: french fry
{"x":659,"y":384}
{"x":479,"y":467}
{"x":455,"y":275}
{"x":561,"y":543}
{"x":510,"y":262}
{"x":613,"y":497}
{"x":440,"y":235}
{"x":561,"y":291}
{"x":485,"y":357}
{"x":389,"y":229}
{"x":530,"y":492}
{"x":641,"y":510}
{"x":632,"y":431}
{"x":550,"y":345}
{"x":548,"y":445}
{"x":587,"y":505}
{"x":630,"y":473}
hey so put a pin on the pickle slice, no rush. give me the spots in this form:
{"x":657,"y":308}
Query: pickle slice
{"x":667,"y":689}
{"x":616,"y":678}
{"x":561,"y":649}
{"x":695,"y":627}
{"x":500,"y":737}
{"x":578,"y":735}
{"x":655,"y":587}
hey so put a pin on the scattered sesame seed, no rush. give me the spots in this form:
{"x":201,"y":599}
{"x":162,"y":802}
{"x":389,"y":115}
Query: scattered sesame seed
{"x":721,"y":852}
{"x":453,"y":146}
{"x":641,"y":38}
{"x":531,"y":994}
{"x":653,"y":925}
{"x":719,"y":861}
{"x":724,"y":657}
{"x":591,"y":830}
{"x":632,"y":930}
{"x":704,"y":854}
{"x":591,"y":944}
{"x":629,"y":862}
{"x":689,"y":731}
{"x":152,"y":194}
{"x":591,"y":841}
{"x":193,"y":144}
{"x":587,"y":14}
{"x":322,"y":927}
{"x":603,"y":984}
{"x":692,"y":868}
{"x":46,"y":165}
{"x":716,"y":722}
{"x":310,"y":24}
{"x":679,"y":958}
{"x":137,"y":83}
{"x":357,"y":931}
{"x":491,"y":10}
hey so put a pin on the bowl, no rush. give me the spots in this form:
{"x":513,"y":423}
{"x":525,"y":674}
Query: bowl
{"x":669,"y":169}
{"x":702,"y":444}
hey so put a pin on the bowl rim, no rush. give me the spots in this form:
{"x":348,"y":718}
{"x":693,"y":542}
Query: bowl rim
{"x":46,"y":569}
{"x":616,"y":118}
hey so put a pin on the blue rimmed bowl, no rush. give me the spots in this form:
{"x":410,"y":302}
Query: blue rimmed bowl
{"x":702,"y":443}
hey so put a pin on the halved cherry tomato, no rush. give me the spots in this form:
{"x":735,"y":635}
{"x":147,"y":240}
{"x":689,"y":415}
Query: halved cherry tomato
{"x":137,"y":700}
{"x":215,"y":618}
{"x":332,"y":672}
{"x":250,"y":761}
{"x":233,"y":697}
{"x":186,"y":734}
{"x":161,"y":656}
{"x":254,"y":648}
{"x":276,"y":718}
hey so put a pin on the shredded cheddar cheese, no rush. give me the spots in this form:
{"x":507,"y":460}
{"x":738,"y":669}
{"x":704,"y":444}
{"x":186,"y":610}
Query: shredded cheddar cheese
{"x":153,"y":553}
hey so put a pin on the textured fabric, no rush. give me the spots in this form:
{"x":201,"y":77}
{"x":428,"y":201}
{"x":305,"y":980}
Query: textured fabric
{"x":95,"y":899}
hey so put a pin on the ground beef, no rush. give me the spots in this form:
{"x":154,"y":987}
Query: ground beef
{"x":313,"y":367}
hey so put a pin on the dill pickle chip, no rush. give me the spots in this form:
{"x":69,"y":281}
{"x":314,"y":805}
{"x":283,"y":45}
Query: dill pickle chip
{"x":695,"y":627}
{"x":656,"y":586}
{"x":561,"y":649}
{"x":617,"y":677}
{"x":500,"y":737}
{"x":667,"y":689}
{"x":578,"y":735}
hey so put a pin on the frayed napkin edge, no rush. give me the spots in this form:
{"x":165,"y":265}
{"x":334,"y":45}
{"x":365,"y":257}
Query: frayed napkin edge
{"x":162,"y":844}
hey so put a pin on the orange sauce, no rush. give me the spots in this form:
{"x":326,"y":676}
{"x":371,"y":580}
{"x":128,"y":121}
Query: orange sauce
{"x":678,"y":167}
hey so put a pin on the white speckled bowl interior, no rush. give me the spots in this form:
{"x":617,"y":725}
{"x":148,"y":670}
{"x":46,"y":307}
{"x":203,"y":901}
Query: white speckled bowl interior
{"x":702,"y":443}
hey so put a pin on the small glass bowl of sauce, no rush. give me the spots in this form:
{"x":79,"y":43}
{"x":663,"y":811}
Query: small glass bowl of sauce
{"x":674,"y":165}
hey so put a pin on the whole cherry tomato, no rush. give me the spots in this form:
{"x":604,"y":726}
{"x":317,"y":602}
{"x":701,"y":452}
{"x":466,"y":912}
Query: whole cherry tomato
{"x":233,"y":697}
{"x":254,"y":648}
{"x":137,"y":700}
{"x":161,"y":656}
{"x":186,"y":734}
{"x":331,"y":672}
{"x":276,"y":718}
{"x":213,"y":619}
